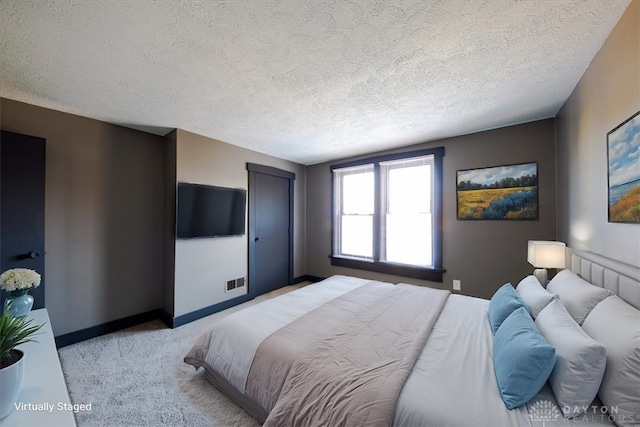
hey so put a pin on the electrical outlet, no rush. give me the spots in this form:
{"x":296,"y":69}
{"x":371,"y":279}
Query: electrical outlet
{"x":240,"y":282}
{"x":231,"y":284}
{"x":456,"y":285}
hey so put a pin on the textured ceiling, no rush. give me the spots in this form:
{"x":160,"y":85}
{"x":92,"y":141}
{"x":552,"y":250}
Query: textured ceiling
{"x":304,"y":80}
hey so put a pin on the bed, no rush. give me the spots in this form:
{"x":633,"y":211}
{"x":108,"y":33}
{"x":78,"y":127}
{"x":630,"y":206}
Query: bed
{"x":337,"y":352}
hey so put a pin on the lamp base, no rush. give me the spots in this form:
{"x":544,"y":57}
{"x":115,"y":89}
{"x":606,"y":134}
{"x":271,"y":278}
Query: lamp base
{"x":541,"y":275}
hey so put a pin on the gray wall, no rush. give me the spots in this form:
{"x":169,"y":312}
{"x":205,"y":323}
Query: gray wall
{"x":103,"y":216}
{"x":203,"y":266}
{"x":482,"y":254}
{"x":109,"y":218}
{"x":607,"y":94}
{"x":169,"y":223}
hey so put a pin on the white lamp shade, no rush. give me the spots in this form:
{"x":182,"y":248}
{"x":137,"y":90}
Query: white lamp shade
{"x":546,"y":254}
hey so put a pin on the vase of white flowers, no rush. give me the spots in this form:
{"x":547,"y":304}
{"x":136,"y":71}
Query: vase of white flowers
{"x":18,"y":282}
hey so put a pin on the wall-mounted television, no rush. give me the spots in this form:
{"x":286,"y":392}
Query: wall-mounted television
{"x":210,"y":211}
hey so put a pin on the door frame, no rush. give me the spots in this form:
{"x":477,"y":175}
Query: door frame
{"x":253,"y":169}
{"x":33,"y":147}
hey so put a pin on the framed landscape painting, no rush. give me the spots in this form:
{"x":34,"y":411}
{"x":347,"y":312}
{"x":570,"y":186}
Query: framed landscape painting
{"x":623,"y":158}
{"x":498,"y":193}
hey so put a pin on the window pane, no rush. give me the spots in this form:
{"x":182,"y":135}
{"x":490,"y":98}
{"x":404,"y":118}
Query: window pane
{"x":357,"y":235}
{"x":403,"y":211}
{"x":407,"y":200}
{"x":409,"y":239}
{"x":409,"y":189}
{"x":357,"y":193}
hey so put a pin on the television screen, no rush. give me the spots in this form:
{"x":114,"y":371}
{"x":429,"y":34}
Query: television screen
{"x":208,"y":211}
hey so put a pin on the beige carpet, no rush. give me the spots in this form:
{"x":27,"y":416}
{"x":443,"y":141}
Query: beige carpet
{"x":136,"y":377}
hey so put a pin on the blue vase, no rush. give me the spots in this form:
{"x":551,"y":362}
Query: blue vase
{"x":18,"y":303}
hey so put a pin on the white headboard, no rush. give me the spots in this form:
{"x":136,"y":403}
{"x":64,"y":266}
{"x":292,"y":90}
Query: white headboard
{"x":622,"y":279}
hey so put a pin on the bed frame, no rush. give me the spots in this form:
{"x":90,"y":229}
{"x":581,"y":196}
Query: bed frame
{"x":620,"y":278}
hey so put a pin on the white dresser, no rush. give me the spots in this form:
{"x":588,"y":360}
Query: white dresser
{"x":44,"y":398}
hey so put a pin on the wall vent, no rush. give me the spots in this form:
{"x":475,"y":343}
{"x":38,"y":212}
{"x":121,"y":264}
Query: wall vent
{"x":235,"y":283}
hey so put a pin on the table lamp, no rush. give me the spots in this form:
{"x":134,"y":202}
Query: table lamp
{"x":543,"y":254}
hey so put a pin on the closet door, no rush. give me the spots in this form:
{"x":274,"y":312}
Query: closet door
{"x":22,"y":174}
{"x":270,"y":228}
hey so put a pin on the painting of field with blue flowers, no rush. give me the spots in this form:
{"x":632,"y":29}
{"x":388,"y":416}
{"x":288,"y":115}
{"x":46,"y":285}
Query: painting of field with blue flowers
{"x":498,"y":193}
{"x":624,"y":171}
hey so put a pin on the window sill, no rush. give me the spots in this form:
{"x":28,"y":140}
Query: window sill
{"x":424,"y":273}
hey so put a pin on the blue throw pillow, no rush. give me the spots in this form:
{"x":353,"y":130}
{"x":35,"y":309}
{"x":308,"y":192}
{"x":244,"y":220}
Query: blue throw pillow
{"x":504,"y":302}
{"x":522,"y":359}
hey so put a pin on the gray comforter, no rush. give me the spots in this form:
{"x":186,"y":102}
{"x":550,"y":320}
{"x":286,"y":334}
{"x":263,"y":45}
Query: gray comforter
{"x":355,"y":354}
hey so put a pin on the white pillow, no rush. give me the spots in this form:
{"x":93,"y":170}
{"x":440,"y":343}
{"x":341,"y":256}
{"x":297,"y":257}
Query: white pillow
{"x":616,"y":324}
{"x":580,"y":360}
{"x":532,"y":292}
{"x":576,"y":294}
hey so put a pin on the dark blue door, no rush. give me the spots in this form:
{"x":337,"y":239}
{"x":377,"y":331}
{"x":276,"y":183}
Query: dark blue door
{"x":22,"y":169}
{"x":270,"y":228}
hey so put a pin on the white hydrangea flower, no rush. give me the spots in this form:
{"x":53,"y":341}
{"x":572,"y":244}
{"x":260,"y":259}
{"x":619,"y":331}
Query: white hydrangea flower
{"x":17,"y":279}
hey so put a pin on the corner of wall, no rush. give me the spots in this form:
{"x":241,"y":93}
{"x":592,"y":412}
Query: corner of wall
{"x":169,"y":215}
